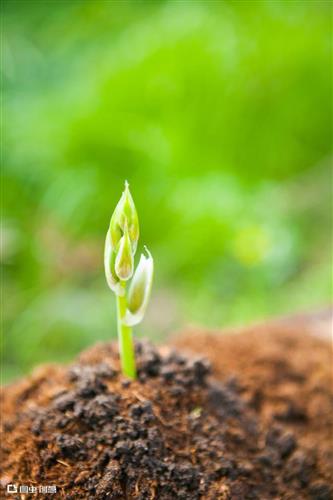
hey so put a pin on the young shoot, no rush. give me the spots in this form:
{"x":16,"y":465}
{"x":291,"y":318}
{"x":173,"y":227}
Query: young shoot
{"x":131,"y":287}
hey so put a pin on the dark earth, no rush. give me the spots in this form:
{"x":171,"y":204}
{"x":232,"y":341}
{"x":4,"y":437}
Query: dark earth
{"x":252,"y":419}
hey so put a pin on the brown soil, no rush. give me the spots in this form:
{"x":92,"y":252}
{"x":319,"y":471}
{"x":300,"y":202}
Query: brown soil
{"x":255,"y":425}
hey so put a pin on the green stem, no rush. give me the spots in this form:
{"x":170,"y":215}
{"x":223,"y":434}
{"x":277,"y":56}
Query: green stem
{"x":125,"y":339}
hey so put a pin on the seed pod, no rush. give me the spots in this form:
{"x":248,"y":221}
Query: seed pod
{"x":139,"y":291}
{"x":124,"y":263}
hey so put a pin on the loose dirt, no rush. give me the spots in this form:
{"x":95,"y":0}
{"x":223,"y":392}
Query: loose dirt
{"x":241,"y":416}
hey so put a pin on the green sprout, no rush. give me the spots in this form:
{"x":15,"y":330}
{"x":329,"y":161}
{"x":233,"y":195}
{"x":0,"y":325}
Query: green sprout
{"x":132,"y":296}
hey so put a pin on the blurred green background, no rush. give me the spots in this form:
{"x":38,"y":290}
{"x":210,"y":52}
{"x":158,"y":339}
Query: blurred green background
{"x":217,"y":113}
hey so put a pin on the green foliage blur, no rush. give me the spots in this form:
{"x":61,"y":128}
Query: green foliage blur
{"x":217,"y":113}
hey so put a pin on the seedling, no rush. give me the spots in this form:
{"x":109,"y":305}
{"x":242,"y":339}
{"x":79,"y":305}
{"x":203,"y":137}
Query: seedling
{"x":132,"y":288}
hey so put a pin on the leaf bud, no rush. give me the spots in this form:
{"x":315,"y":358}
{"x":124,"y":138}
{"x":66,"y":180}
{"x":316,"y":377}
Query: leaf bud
{"x":125,"y":214}
{"x":124,"y":263}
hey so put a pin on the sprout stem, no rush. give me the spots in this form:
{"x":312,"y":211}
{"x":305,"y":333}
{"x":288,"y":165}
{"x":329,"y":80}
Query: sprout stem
{"x":125,"y":339}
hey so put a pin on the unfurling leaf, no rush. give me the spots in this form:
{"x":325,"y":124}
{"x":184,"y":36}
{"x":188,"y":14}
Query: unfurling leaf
{"x":111,"y":277}
{"x":139,"y":291}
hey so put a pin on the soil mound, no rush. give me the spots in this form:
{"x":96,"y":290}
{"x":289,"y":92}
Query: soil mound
{"x":239,"y":429}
